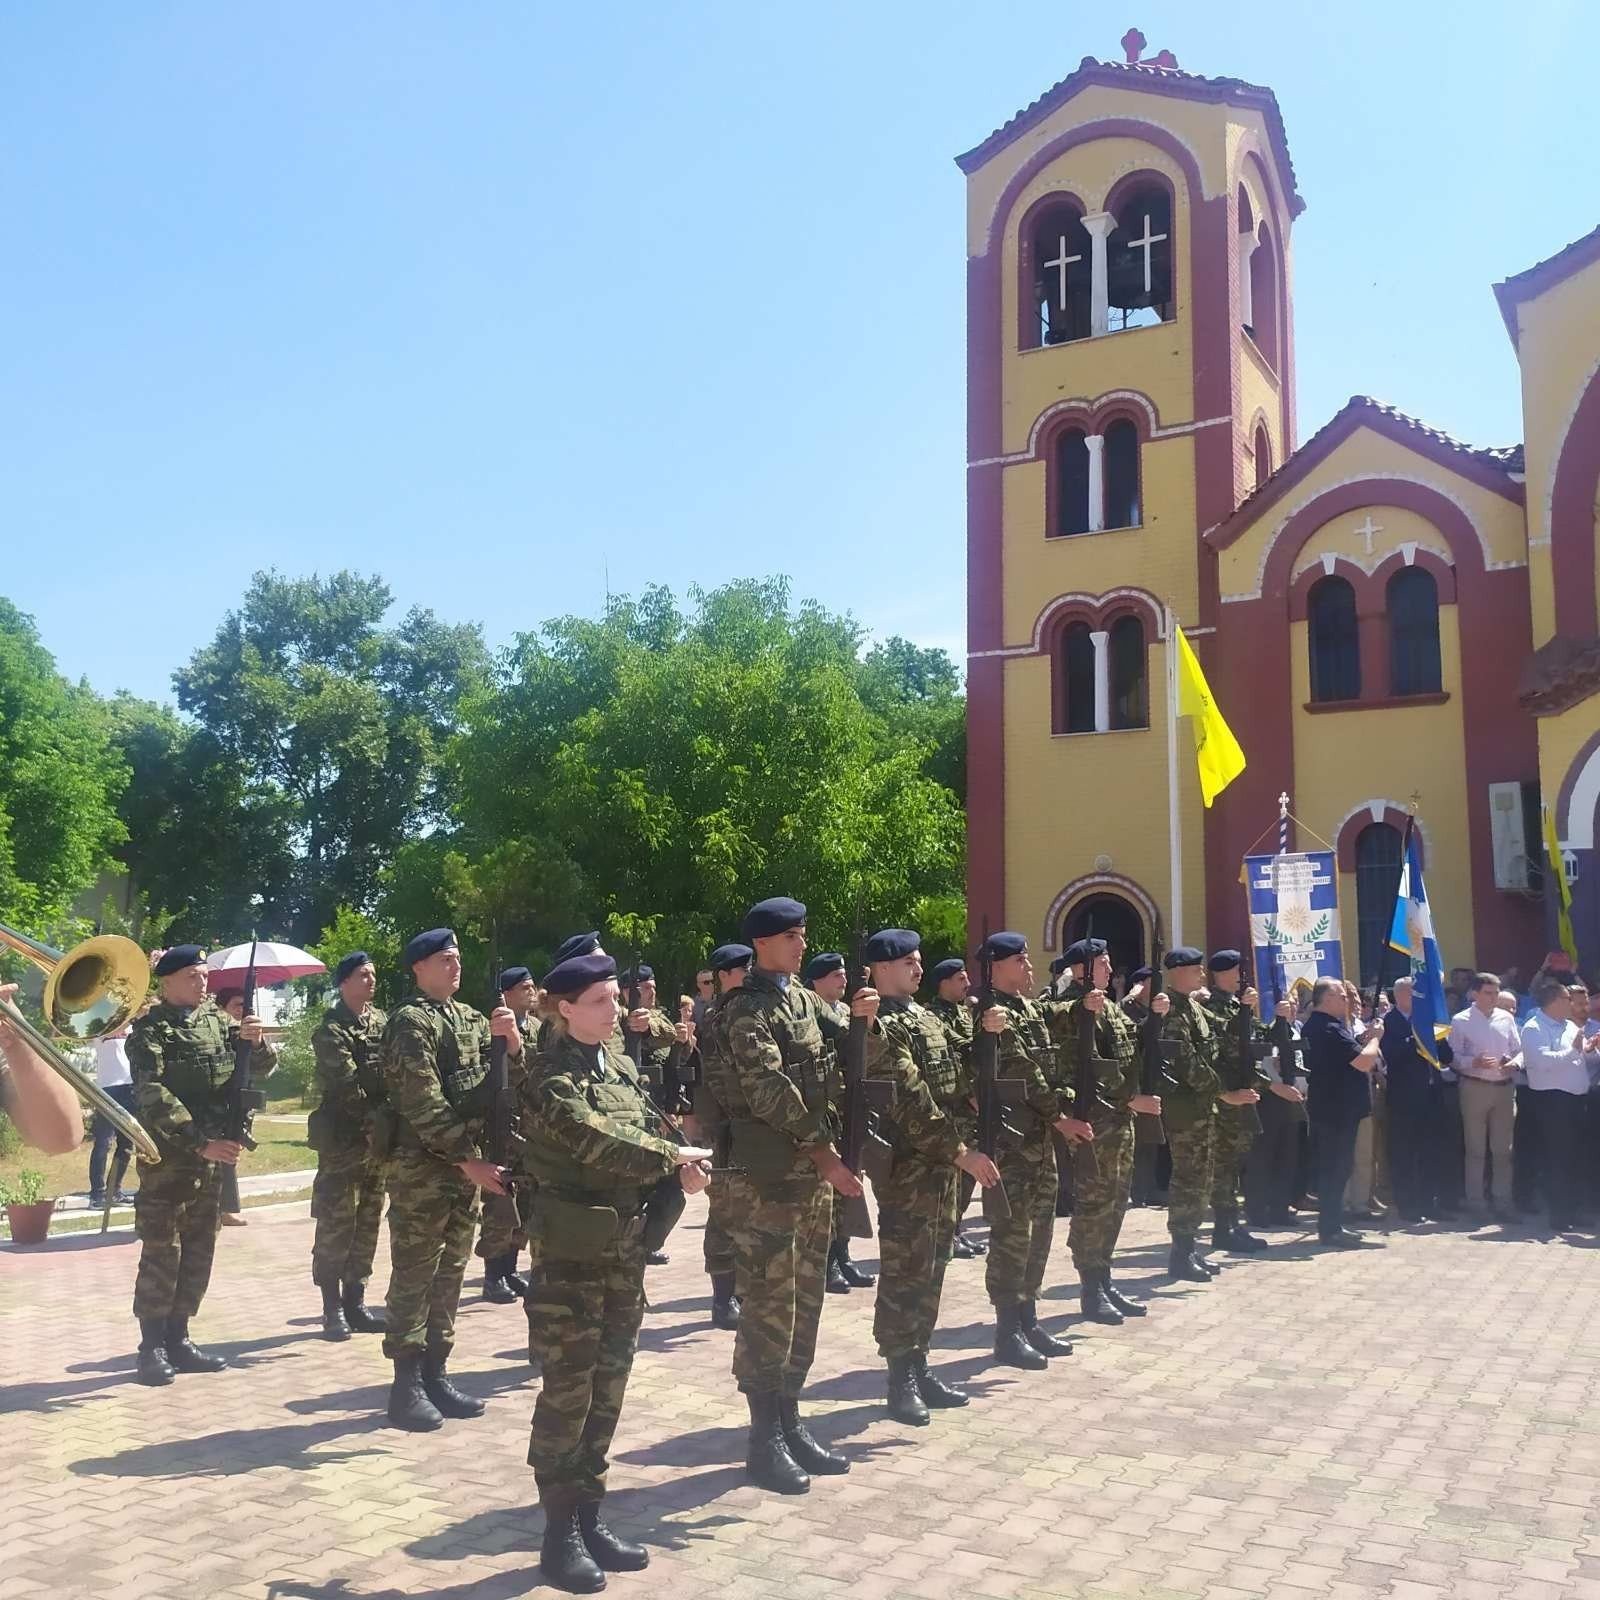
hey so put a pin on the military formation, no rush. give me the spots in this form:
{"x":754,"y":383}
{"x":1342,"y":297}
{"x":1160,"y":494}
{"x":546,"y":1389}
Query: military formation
{"x":583,"y":1114}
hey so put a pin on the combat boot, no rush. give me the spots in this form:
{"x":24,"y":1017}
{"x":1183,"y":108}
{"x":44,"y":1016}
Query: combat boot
{"x":409,"y":1406}
{"x":1115,"y":1297}
{"x":563,"y":1556}
{"x":154,"y":1368}
{"x":1047,"y":1344}
{"x":1182,"y":1264}
{"x":837,"y":1282}
{"x":1092,"y":1298}
{"x":1204,"y":1262}
{"x":611,"y":1554}
{"x":510,"y":1277}
{"x":767,"y":1461}
{"x":1010,"y":1348}
{"x":495,"y":1288}
{"x":447,"y":1399}
{"x":724,"y":1302}
{"x":853,"y":1275}
{"x":905,"y":1396}
{"x":1235,"y":1238}
{"x":334,"y":1327}
{"x":810,"y":1454}
{"x":936,"y":1394}
{"x":184,"y":1354}
{"x":360,"y":1317}
{"x":656,"y":1258}
{"x":961,"y":1247}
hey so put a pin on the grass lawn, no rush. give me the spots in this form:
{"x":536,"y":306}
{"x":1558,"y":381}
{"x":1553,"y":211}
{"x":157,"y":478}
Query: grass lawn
{"x":78,"y":1222}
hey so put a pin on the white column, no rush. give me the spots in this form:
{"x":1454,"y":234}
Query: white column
{"x":1095,"y":443}
{"x":1101,"y":641}
{"x":1174,"y":822}
{"x":1247,"y":301}
{"x":1099,"y":227}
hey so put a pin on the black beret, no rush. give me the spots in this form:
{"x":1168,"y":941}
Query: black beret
{"x":819,"y":966}
{"x":1223,"y":960}
{"x":1184,"y":956}
{"x":728,"y":956}
{"x":512,"y":976}
{"x":642,"y":974}
{"x":178,"y":958}
{"x":1139,"y":974}
{"x":1002,"y":946}
{"x":947,"y":969}
{"x":429,"y":944}
{"x":891,"y":944}
{"x":580,"y":944}
{"x":1062,"y":962}
{"x":768,"y":917}
{"x":578,"y":973}
{"x":352,"y":964}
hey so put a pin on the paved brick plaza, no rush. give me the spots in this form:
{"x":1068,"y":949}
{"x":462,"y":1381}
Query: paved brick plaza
{"x":1412,"y":1422}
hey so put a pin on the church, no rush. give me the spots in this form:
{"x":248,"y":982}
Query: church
{"x":1381,"y":611}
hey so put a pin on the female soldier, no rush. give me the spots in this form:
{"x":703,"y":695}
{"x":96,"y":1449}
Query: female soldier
{"x":594,"y":1150}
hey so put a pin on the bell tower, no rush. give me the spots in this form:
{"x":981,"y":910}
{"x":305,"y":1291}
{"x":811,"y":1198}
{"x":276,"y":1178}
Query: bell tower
{"x":1129,"y":382}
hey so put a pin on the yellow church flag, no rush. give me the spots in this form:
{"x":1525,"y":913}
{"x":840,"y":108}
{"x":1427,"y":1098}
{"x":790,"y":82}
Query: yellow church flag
{"x":1217,"y":751}
{"x":1556,"y":874}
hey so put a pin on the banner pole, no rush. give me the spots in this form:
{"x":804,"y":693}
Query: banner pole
{"x":1174,"y":827}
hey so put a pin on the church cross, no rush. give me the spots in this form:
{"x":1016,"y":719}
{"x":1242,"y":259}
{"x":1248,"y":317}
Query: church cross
{"x":1147,"y":244}
{"x":1367,"y":529}
{"x":1060,"y":264}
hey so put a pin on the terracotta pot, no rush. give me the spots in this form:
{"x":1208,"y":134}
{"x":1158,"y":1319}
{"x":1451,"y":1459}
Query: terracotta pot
{"x":30,"y":1224}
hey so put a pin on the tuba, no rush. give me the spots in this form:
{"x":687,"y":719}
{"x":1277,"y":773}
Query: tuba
{"x":91,"y":989}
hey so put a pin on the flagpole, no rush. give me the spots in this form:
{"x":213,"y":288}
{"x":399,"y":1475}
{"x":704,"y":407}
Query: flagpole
{"x":1174,"y":828}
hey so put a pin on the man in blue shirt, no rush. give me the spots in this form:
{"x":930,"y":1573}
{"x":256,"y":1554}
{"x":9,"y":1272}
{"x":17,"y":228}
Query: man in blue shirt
{"x":1340,"y":1072}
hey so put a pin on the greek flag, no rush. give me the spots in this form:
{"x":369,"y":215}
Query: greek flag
{"x":1412,"y":935}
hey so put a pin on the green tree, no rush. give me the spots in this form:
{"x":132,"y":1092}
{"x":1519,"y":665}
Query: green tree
{"x":918,"y":690}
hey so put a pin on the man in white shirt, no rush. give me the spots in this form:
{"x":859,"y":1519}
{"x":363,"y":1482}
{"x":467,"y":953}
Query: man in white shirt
{"x":1488,"y":1052}
{"x":113,"y":1074}
{"x":1556,"y":1057}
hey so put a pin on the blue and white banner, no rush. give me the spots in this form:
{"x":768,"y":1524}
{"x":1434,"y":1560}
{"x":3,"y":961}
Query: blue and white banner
{"x":1412,"y":935}
{"x":1294,"y":920}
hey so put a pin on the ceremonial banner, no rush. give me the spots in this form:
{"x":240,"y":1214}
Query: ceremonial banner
{"x":1412,"y":935}
{"x":1294,"y":920}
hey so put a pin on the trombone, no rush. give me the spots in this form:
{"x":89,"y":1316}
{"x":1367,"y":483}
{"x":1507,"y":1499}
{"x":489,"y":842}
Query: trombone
{"x":91,"y":989}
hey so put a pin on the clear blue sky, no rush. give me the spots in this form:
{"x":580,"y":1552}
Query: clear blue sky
{"x":497,"y":298}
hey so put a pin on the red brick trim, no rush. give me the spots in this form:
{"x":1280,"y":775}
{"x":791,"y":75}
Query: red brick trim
{"x":1361,"y":818}
{"x":1093,"y":883}
{"x":1372,"y":587}
{"x":1027,"y":310}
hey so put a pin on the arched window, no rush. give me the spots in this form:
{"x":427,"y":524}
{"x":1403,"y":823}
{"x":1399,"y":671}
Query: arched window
{"x":1413,"y":604}
{"x":1333,"y":640}
{"x":1061,"y":268}
{"x":1263,"y":454}
{"x":1130,"y":700}
{"x":1072,"y":482}
{"x":1077,"y":674}
{"x":1122,"y":475}
{"x":1139,"y":283}
{"x":1263,"y":324}
{"x":1377,"y":882}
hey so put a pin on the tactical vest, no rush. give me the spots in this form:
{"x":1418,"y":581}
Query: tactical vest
{"x":196,"y":1059}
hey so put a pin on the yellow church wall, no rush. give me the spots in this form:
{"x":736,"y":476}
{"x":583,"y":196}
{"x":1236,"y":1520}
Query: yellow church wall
{"x":1258,"y":392}
{"x":1560,"y":739}
{"x":1345,"y":759}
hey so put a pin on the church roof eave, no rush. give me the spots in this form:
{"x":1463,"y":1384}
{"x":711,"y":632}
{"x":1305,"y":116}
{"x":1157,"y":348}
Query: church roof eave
{"x":1544,"y":275}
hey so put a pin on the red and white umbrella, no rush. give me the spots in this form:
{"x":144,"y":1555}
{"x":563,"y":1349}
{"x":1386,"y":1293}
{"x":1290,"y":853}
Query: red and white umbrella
{"x":275,"y":963}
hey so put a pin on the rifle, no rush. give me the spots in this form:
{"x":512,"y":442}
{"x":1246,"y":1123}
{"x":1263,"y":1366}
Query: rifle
{"x":498,"y":1088}
{"x":1086,"y":1081}
{"x":994,"y":1093}
{"x":1155,"y":1069}
{"x":633,"y":1042}
{"x":664,"y":1204}
{"x":243,"y":1101}
{"x":864,"y":1148}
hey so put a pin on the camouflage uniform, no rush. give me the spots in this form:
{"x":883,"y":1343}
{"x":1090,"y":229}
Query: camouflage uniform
{"x":586,"y":1124}
{"x":956,"y":1017}
{"x":711,"y":1113}
{"x":435,"y":1056}
{"x":839,"y":1012}
{"x":775,"y":1092}
{"x":917,"y":1202}
{"x":347,"y":1194}
{"x":501,"y":1233}
{"x":661,"y":1059}
{"x":1101,"y":1185}
{"x":1189,"y":1111}
{"x":182,"y":1059}
{"x":1237,"y":1126}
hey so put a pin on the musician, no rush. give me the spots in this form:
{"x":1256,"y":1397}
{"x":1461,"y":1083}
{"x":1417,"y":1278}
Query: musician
{"x":592,"y":1149}
{"x":182,"y":1054}
{"x":39,"y":1101}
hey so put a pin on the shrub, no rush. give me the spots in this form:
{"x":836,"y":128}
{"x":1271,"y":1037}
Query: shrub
{"x":26,"y":1191}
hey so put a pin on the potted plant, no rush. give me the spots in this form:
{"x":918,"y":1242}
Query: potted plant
{"x":28,"y":1214}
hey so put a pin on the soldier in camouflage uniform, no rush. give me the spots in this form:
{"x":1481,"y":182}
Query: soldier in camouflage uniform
{"x":927,"y":1127}
{"x":435,"y":1056}
{"x":350,"y":1130}
{"x":658,"y":1046}
{"x":592,"y":1149}
{"x":1100,"y":1188}
{"x":1238,"y":1126}
{"x":775,"y":1093}
{"x":1149,"y":1139}
{"x":182,"y":1054}
{"x":1030,"y":1034}
{"x":501,"y":1235}
{"x":951,"y":1004}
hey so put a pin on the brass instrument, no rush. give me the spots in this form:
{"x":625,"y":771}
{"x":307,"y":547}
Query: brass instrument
{"x":92,"y":989}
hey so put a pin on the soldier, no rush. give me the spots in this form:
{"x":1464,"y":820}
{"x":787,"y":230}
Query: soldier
{"x":826,"y":978}
{"x":1100,"y":1189}
{"x":435,"y":1056}
{"x":182,"y":1054}
{"x":587,"y":1125}
{"x":501,"y":1235}
{"x":351,"y":1131}
{"x":729,"y":963}
{"x":785,"y":1161}
{"x":1020,"y":1248}
{"x":1237,"y":1125}
{"x":927,"y":1128}
{"x":663,"y":1047}
{"x":951,"y":1004}
{"x":1149,"y":1142}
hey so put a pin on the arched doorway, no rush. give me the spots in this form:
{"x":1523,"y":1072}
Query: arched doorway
{"x":1117,"y":921}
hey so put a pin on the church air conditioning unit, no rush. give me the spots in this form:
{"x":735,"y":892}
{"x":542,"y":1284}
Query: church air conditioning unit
{"x":1514,"y":829}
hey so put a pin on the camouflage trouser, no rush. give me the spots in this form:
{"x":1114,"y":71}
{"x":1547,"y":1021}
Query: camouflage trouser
{"x":1020,"y":1249}
{"x":916,"y":1230}
{"x":780,"y":1249}
{"x":839,"y":1233}
{"x":1236,"y":1130}
{"x":347,"y":1202}
{"x":583,"y":1327}
{"x":718,"y":1243}
{"x":1191,"y":1177}
{"x":176,"y":1214}
{"x":1100,"y":1194}
{"x":500,"y":1233}
{"x":432,"y":1209}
